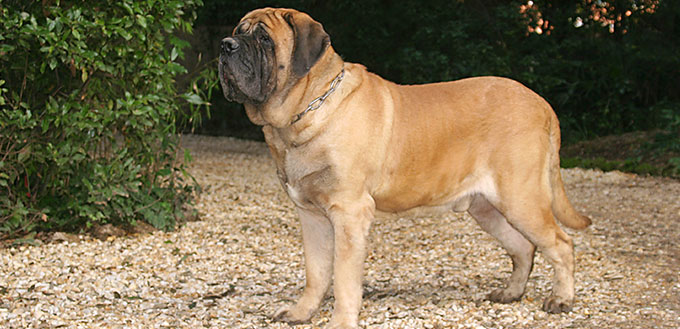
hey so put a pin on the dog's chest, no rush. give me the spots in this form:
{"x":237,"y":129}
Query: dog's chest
{"x":304,"y":170}
{"x":300,"y":176}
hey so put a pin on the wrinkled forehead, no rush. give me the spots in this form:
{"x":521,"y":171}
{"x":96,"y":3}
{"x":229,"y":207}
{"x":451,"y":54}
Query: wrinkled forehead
{"x":268,"y":17}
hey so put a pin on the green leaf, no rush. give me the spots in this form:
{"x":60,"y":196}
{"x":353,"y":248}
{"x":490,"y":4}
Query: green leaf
{"x":51,"y":24}
{"x":141,"y":20}
{"x":173,"y":54}
{"x":24,"y":153}
{"x":194,"y":99}
{"x":177,"y":42}
{"x":128,"y":8}
{"x":125,"y":34}
{"x":45,"y":125}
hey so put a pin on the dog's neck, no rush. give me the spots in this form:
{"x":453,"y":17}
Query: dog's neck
{"x":281,"y":113}
{"x":318,"y":102}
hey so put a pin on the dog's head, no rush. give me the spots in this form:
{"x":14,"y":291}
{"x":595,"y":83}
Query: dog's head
{"x":268,"y":51}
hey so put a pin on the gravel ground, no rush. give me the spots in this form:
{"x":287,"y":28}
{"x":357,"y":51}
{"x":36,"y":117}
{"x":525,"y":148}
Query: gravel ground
{"x":243,"y":260}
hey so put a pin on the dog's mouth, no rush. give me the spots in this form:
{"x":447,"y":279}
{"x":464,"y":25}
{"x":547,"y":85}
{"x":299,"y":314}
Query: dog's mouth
{"x":229,"y":83}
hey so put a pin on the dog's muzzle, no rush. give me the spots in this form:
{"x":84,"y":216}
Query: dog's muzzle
{"x":229,"y":46}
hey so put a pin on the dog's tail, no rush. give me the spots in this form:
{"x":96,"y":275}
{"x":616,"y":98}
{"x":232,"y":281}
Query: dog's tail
{"x":561,"y":207}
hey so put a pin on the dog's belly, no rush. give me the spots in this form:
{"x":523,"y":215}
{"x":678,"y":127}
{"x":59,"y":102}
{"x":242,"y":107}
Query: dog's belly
{"x":405,"y":197}
{"x":460,"y":203}
{"x":435,"y":191}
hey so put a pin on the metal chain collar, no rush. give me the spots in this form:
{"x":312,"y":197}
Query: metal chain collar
{"x":315,"y":104}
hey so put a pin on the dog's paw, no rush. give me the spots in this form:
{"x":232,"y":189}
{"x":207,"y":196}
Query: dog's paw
{"x":554,"y":304}
{"x":504,"y":296}
{"x":292,"y":315}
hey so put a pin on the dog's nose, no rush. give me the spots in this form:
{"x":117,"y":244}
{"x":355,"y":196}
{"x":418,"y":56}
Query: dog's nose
{"x":229,"y":45}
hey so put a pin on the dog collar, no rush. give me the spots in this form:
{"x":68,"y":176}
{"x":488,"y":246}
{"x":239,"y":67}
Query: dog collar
{"x":316,"y":103}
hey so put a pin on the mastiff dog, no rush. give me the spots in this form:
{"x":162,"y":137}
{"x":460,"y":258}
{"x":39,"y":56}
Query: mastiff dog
{"x":348,"y":143}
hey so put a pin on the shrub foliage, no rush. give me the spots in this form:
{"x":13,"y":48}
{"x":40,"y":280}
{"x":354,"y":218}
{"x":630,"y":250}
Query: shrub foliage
{"x":89,"y":112}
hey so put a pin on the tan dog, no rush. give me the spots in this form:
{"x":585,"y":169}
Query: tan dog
{"x":347,"y":142}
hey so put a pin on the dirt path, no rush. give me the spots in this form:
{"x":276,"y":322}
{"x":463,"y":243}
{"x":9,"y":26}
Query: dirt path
{"x":243,"y":260}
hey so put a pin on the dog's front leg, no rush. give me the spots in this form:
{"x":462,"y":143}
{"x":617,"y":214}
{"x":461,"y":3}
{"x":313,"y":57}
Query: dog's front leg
{"x":317,"y":239}
{"x":351,"y":224}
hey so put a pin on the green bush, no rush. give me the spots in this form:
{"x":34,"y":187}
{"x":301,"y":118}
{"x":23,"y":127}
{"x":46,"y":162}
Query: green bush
{"x":88,"y":113}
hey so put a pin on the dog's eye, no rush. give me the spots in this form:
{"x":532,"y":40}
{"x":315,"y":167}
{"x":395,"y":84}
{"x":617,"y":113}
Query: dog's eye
{"x":264,"y":38}
{"x":239,"y":29}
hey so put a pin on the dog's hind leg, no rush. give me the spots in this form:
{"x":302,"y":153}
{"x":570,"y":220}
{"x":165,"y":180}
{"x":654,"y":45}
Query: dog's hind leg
{"x":529,"y":212}
{"x":518,"y":247}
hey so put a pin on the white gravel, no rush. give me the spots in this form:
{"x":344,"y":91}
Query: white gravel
{"x":243,"y":260}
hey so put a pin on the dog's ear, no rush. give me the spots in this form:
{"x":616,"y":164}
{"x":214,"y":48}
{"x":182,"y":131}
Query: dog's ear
{"x":311,"y":41}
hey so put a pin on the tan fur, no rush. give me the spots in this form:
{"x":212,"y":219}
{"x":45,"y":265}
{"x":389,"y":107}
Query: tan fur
{"x":487,"y":145}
